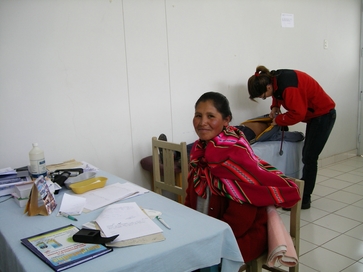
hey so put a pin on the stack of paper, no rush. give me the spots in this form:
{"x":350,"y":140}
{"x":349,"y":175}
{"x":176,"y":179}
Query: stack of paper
{"x":131,"y":224}
{"x":9,"y":178}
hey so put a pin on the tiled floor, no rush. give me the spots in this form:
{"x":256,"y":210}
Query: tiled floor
{"x":332,"y":229}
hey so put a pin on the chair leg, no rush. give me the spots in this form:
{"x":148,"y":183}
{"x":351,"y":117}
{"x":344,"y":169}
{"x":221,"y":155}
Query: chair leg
{"x":294,"y":269}
{"x":152,"y":181}
{"x":255,"y":266}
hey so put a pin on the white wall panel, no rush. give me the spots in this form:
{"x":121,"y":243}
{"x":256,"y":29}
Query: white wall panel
{"x":148,"y":76}
{"x":63,"y":83}
{"x":95,"y":80}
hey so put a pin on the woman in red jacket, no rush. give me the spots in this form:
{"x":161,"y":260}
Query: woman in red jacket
{"x":305,"y":101}
{"x":228,"y":181}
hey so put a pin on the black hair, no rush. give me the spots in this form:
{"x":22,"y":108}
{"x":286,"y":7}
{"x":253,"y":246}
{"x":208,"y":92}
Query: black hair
{"x":220,"y":102}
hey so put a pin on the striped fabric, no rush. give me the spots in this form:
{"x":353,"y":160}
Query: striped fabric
{"x":229,"y":167}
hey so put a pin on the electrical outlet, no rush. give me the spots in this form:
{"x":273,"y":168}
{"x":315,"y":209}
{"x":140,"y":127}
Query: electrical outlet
{"x":325,"y":44}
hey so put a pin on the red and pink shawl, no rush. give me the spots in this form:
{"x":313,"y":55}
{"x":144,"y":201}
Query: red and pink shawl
{"x":230,"y":168}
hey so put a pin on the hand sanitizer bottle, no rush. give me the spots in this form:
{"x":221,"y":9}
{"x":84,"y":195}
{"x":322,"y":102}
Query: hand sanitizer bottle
{"x":37,"y":162}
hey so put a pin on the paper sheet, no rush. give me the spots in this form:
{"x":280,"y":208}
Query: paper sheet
{"x":147,"y":239}
{"x":104,"y":196}
{"x":127,"y":220}
{"x":287,"y":20}
{"x":72,"y":205}
{"x":133,"y":187}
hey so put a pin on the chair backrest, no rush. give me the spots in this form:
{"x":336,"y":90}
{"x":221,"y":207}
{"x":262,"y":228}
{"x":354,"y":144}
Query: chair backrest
{"x":259,"y":263}
{"x":170,"y":175}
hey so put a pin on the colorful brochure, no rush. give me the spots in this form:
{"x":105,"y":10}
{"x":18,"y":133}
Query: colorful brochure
{"x":58,"y":250}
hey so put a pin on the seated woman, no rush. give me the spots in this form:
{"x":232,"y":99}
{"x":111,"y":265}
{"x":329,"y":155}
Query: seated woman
{"x":228,"y":181}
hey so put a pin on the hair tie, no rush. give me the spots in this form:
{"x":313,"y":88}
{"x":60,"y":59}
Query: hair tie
{"x":257,"y":74}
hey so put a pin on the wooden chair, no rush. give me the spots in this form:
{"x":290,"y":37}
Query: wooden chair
{"x":164,"y":177}
{"x":258,"y":264}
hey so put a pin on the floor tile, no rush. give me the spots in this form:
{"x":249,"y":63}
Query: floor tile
{"x":306,"y":247}
{"x":344,"y":197}
{"x":353,"y":162}
{"x":337,"y":223}
{"x":346,"y":246}
{"x":328,"y":205}
{"x":357,"y":172}
{"x":317,"y":235}
{"x":352,"y":212}
{"x":325,"y":260}
{"x":350,"y":177}
{"x":359,"y":168}
{"x":336,"y":183}
{"x":315,"y":197}
{"x":320,"y":190}
{"x":355,"y":189}
{"x":320,"y":178}
{"x":356,"y":163}
{"x":329,"y":172}
{"x":358,"y":203}
{"x":305,"y":268}
{"x":356,"y":267}
{"x":356,"y":232}
{"x":342,"y":167}
{"x":303,"y":223}
{"x":312,"y":214}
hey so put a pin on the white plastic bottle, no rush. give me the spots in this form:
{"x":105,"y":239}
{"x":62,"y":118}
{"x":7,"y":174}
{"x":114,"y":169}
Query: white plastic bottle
{"x":37,"y":162}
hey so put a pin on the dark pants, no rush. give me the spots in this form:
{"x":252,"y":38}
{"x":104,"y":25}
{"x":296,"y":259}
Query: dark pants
{"x":316,"y":135}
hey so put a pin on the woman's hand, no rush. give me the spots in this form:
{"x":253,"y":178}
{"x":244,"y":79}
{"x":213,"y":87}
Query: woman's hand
{"x":274,"y":112}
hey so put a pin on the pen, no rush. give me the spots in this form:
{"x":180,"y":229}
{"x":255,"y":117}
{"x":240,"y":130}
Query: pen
{"x":162,"y":222}
{"x":68,"y":216}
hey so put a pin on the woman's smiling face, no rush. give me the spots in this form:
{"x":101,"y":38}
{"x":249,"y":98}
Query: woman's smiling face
{"x":207,"y":121}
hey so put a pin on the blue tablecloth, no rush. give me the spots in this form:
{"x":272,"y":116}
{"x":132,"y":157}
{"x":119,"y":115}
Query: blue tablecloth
{"x":194,"y":241}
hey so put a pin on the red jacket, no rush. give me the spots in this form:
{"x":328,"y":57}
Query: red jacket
{"x":301,"y":96}
{"x":248,"y":223}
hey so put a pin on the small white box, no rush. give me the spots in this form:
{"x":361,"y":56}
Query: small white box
{"x":23,"y":191}
{"x":21,"y":201}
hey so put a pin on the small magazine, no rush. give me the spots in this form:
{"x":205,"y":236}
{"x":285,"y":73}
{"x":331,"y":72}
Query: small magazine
{"x":58,"y":250}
